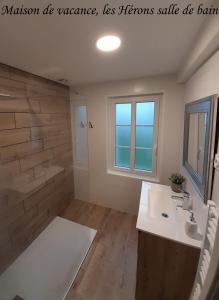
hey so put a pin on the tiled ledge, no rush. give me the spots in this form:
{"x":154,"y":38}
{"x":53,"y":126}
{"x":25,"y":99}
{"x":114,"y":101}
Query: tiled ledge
{"x":29,"y":188}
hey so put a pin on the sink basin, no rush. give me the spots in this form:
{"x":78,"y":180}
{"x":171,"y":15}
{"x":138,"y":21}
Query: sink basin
{"x":158,"y":215}
{"x":161,"y":206}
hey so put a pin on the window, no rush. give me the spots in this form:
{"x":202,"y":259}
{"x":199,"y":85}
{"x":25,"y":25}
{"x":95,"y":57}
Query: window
{"x":134,"y":134}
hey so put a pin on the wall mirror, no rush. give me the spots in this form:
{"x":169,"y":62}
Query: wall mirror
{"x":199,"y":143}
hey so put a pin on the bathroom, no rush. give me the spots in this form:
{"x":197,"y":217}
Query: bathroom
{"x":90,"y":138}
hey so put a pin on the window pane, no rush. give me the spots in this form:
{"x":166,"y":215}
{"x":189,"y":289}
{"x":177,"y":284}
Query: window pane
{"x":144,"y":137}
{"x":143,"y":159}
{"x":122,"y":158}
{"x":123,"y":135}
{"x":145,"y":113}
{"x":123,"y":114}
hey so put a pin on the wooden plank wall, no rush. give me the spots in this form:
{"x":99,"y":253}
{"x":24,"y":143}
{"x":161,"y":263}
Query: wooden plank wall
{"x":35,"y":134}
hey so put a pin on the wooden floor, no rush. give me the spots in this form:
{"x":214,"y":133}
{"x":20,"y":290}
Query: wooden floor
{"x":109,"y":271}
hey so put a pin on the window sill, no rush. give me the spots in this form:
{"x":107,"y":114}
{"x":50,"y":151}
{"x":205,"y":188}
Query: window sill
{"x":134,"y":176}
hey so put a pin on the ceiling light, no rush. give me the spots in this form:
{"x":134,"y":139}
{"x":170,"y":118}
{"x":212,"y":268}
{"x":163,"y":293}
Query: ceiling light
{"x":108,"y":43}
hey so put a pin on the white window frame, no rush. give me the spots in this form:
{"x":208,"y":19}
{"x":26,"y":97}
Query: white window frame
{"x":112,"y":101}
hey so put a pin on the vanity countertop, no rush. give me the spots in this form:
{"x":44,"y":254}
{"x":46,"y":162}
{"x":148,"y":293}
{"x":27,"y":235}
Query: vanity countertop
{"x":156,"y":200}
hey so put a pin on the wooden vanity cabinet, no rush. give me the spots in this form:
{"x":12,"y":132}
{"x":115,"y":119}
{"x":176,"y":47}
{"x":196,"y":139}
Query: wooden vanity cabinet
{"x":166,"y":269}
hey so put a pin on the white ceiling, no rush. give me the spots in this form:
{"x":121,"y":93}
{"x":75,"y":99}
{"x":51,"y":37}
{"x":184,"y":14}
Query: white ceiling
{"x":64,"y":47}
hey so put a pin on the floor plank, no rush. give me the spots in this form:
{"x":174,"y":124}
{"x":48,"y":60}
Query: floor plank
{"x":109,"y":271}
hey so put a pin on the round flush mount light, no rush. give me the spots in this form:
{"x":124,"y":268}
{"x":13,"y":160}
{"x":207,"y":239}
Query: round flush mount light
{"x":108,"y":43}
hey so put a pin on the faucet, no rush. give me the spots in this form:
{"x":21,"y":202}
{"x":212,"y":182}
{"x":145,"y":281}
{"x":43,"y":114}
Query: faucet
{"x":187,"y":201}
{"x":185,"y":193}
{"x":184,"y":207}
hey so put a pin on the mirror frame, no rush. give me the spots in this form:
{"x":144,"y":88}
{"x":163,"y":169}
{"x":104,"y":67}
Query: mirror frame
{"x":202,"y":183}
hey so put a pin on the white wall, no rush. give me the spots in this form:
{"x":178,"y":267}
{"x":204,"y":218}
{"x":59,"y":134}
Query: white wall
{"x":120,"y":192}
{"x":206,"y":44}
{"x":204,"y":83}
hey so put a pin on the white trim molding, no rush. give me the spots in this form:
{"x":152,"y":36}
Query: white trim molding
{"x":132,"y":172}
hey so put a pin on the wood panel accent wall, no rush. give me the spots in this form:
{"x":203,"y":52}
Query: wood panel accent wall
{"x":36,"y":178}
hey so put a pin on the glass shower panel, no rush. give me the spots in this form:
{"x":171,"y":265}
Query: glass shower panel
{"x":80,"y":131}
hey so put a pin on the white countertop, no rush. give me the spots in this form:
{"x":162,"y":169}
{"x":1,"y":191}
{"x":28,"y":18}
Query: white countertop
{"x":155,"y":200}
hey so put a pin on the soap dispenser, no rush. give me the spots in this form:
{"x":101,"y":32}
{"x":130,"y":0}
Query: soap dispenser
{"x":191,"y":225}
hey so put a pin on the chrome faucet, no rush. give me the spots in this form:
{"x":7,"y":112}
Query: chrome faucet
{"x":184,"y":207}
{"x":186,"y":201}
{"x":179,"y":205}
{"x":185,"y":193}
